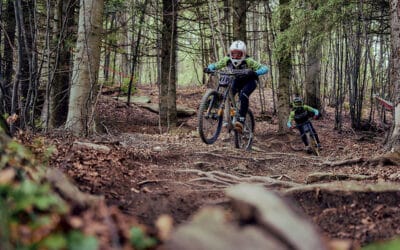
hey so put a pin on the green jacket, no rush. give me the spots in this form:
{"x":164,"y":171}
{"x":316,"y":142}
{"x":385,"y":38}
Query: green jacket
{"x":305,"y":108}
{"x":248,"y":63}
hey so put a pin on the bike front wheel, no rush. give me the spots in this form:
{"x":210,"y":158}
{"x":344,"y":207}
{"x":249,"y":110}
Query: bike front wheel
{"x":210,"y":116}
{"x":245,"y":139}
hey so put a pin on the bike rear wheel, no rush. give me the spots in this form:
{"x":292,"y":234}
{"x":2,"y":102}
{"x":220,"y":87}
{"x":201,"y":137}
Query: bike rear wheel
{"x":245,"y":139}
{"x":210,"y":116}
{"x":312,"y":142}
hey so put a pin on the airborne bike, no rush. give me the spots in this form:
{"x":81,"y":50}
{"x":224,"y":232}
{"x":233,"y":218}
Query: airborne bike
{"x":218,"y":106}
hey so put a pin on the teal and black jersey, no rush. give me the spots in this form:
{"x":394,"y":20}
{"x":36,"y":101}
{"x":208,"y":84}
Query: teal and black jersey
{"x":301,"y":114}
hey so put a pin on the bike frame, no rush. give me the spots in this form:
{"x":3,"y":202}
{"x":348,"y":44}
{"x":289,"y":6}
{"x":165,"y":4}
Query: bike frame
{"x":226,"y":110}
{"x":227,"y":95}
{"x":310,"y":135}
{"x":228,"y":100}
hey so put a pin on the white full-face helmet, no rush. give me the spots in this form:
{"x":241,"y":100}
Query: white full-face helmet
{"x":237,"y":52}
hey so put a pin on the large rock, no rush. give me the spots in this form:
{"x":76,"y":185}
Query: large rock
{"x":212,"y":228}
{"x":260,"y":219}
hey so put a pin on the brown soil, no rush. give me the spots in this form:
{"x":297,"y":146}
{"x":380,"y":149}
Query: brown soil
{"x":149,"y":172}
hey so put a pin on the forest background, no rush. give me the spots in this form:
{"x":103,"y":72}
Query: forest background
{"x":57,"y":56}
{"x":333,"y":52}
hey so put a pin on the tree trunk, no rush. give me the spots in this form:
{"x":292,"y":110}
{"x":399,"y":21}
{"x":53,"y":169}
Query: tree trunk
{"x":353,"y":80}
{"x":227,"y":24}
{"x":168,"y":113}
{"x":285,"y":69}
{"x":312,"y":81}
{"x":85,"y":70}
{"x":60,"y":84}
{"x":394,"y":142}
{"x":108,"y":46}
{"x":24,"y":94}
{"x":136,"y":50}
{"x":1,"y":42}
{"x":239,"y":20}
{"x":9,"y":43}
{"x":269,"y":33}
{"x":338,"y":79}
{"x":124,"y":42}
{"x":18,"y":68}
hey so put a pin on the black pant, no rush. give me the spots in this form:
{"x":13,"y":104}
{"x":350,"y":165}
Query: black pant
{"x":303,"y":135}
{"x":245,"y":87}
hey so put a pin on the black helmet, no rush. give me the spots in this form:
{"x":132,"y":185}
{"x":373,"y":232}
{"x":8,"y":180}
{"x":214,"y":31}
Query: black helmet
{"x":297,"y":102}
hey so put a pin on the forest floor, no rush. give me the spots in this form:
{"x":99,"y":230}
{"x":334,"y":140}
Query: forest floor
{"x":148,"y":173}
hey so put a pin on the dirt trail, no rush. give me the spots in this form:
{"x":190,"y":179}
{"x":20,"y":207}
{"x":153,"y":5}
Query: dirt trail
{"x":148,"y":174}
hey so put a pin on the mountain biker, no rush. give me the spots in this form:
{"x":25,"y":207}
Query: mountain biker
{"x":300,"y":114}
{"x":245,"y":84}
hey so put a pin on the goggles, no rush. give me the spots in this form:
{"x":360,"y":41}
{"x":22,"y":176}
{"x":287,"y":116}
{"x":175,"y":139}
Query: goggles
{"x":236,"y":54}
{"x":297,"y":104}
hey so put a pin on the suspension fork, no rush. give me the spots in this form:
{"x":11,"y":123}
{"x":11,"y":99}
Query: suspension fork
{"x":224,"y":107}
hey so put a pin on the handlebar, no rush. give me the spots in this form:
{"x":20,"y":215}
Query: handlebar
{"x":302,"y":124}
{"x":229,"y":72}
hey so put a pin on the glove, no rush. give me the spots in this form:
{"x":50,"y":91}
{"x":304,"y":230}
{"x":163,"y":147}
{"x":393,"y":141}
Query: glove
{"x":247,"y":74}
{"x":252,"y":74}
{"x":289,"y":124}
{"x":207,"y":70}
{"x":316,"y":114}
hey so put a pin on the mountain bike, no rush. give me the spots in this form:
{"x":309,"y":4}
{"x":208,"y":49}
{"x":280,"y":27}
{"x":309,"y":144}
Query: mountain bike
{"x":310,"y":135}
{"x":219,"y":105}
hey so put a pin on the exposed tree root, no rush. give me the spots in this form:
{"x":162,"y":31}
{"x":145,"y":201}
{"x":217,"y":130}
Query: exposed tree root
{"x":272,"y":156}
{"x":280,"y":177}
{"x":390,"y":158}
{"x":342,"y":163}
{"x":69,"y":190}
{"x":318,"y":177}
{"x":237,"y":157}
{"x":225,"y":179}
{"x":150,"y":181}
{"x":295,"y":149}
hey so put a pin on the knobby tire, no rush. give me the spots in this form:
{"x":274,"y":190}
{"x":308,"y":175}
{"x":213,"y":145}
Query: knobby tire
{"x":209,"y":119}
{"x":312,"y":142}
{"x":245,"y":139}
